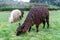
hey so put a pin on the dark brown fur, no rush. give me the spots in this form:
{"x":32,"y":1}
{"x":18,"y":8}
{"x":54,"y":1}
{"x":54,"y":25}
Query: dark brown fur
{"x":37,"y":15}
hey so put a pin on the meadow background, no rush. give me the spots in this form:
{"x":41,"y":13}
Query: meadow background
{"x":8,"y":30}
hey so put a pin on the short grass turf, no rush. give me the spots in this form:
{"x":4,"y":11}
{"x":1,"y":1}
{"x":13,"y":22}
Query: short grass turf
{"x":8,"y":30}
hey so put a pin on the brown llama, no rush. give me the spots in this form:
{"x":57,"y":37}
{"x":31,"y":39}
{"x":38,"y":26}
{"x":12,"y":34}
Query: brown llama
{"x":37,"y":15}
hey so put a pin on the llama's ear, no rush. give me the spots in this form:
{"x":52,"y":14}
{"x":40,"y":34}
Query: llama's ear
{"x":19,"y":24}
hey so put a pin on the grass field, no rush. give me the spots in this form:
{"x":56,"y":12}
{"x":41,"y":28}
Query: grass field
{"x":8,"y":31}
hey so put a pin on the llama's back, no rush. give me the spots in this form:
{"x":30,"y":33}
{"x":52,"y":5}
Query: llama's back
{"x":16,"y":12}
{"x":38,"y":14}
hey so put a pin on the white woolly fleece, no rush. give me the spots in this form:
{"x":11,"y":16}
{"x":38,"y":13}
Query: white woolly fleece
{"x":15,"y":14}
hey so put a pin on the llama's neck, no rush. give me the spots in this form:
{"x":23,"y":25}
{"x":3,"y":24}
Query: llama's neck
{"x":27,"y":25}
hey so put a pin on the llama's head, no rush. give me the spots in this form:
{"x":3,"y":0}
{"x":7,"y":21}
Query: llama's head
{"x":22,"y":13}
{"x":20,"y":30}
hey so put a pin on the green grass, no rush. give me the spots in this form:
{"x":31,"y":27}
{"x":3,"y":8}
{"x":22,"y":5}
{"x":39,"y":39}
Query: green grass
{"x":8,"y":31}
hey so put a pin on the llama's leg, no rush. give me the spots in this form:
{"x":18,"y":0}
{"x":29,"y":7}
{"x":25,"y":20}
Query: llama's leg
{"x":47,"y":20}
{"x":29,"y":29}
{"x":43,"y":24}
{"x":37,"y":28}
